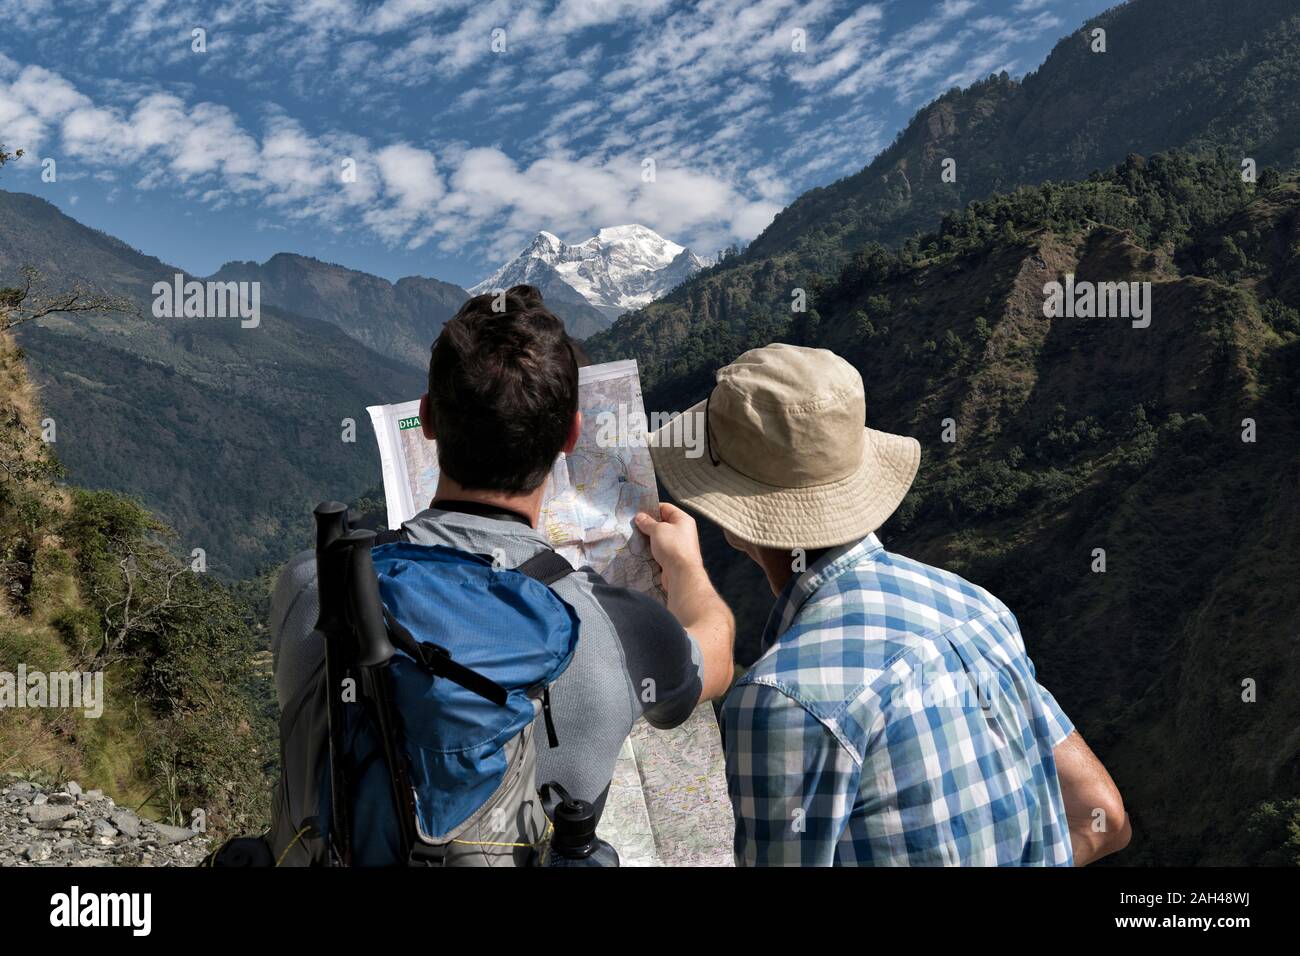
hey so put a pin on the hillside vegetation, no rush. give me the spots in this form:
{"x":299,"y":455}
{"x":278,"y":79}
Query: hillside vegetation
{"x":1075,"y":434}
{"x":89,"y":582}
{"x":1190,"y":74}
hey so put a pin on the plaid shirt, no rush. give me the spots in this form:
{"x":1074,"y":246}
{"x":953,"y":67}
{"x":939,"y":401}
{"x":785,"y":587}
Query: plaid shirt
{"x":893,"y":719}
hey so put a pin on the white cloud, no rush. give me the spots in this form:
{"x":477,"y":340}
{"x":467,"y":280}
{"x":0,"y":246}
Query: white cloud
{"x":569,"y":81}
{"x":410,"y":176}
{"x":486,"y":199}
{"x":549,"y":135}
{"x":572,"y":15}
{"x":843,"y":47}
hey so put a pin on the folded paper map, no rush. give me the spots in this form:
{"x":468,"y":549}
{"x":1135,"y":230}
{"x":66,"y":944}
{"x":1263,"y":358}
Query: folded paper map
{"x":668,"y":801}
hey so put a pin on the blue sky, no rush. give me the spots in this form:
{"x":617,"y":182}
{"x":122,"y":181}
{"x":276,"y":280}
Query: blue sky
{"x":471,"y":124}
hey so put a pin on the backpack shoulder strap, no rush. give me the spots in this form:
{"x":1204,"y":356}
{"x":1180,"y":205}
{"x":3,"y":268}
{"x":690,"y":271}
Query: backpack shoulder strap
{"x":546,"y":567}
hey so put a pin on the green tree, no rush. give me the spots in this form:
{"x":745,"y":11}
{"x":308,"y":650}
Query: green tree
{"x":1273,"y":833}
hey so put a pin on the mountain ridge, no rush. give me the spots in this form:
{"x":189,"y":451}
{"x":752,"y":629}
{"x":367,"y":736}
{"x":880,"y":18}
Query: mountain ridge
{"x":180,"y":390}
{"x":1223,"y":73}
{"x":399,"y":319}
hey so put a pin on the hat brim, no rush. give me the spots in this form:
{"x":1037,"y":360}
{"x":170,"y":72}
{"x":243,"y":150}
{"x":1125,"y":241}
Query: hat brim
{"x":817,"y":516}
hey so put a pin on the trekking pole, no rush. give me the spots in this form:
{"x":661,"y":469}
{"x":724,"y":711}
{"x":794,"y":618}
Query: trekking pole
{"x":375,"y":650}
{"x":331,"y":625}
{"x":331,"y":523}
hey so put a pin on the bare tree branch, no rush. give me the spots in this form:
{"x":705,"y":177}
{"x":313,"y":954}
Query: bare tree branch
{"x":141,"y":596}
{"x":30,"y":301}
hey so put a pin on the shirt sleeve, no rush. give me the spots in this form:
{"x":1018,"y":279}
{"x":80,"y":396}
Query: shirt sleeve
{"x":664,"y":664}
{"x":1057,"y":725}
{"x":792,"y":783}
{"x":1050,"y":721}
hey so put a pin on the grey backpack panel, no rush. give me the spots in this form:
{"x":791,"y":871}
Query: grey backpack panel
{"x":509,"y":829}
{"x":304,"y":747}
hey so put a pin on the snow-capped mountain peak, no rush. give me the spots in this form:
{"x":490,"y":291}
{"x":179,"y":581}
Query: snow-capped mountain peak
{"x":618,"y":269}
{"x":547,"y":241}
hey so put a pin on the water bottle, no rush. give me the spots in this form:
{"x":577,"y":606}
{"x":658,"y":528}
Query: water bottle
{"x":574,"y":841}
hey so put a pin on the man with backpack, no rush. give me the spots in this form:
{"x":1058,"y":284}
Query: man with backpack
{"x":502,"y":405}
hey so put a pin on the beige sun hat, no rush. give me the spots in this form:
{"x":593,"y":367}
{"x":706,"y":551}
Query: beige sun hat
{"x":780,"y":455}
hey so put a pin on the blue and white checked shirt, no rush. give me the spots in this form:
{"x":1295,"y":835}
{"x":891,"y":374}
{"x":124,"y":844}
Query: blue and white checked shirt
{"x":893,"y":719}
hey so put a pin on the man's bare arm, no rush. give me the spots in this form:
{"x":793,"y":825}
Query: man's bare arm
{"x":1095,"y":811}
{"x":675,"y":543}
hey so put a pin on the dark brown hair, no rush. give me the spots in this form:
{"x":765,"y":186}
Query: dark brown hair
{"x":503,"y":389}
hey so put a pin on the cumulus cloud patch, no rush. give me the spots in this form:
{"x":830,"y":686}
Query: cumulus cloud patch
{"x":400,"y":192}
{"x":471,"y":124}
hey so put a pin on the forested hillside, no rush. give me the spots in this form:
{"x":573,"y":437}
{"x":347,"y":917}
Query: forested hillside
{"x":91,"y":583}
{"x":1174,"y":448}
{"x":1175,"y":73}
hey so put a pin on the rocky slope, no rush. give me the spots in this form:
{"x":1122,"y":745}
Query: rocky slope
{"x":68,"y":826}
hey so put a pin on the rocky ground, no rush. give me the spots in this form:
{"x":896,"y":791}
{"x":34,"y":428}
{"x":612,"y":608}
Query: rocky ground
{"x":68,"y":826}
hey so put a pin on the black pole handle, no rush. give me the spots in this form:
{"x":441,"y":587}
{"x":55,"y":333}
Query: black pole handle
{"x":331,"y":565}
{"x":375,"y":649}
{"x":331,"y":523}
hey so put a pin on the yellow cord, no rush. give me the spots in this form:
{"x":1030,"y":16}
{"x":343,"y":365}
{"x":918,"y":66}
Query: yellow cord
{"x":544,"y":838}
{"x":296,"y":837}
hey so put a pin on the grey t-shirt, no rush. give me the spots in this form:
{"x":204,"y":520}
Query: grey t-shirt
{"x":633,"y":657}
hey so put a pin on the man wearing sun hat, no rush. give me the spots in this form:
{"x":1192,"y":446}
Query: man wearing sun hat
{"x":893,"y":717}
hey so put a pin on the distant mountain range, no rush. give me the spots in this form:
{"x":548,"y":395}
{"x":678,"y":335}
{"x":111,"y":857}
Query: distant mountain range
{"x":619,"y":269}
{"x":397,"y":319}
{"x":587,"y":284}
{"x":231,"y":433}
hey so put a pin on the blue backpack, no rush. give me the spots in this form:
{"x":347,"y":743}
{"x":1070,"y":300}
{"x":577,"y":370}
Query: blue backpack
{"x":414,"y":743}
